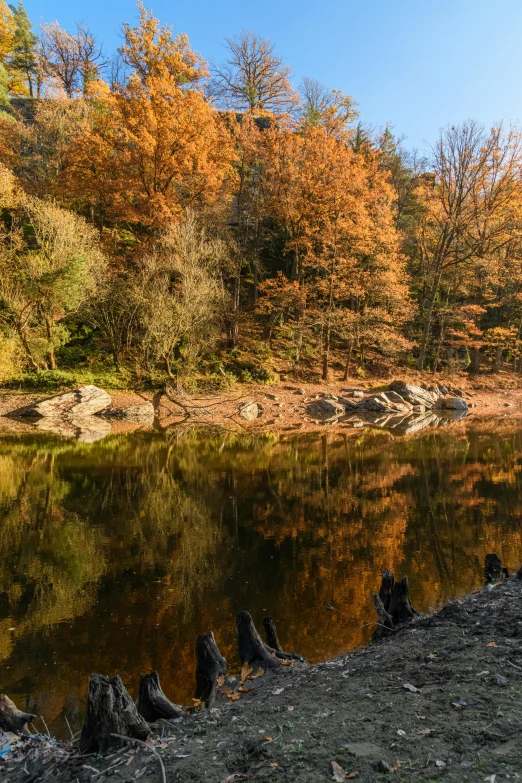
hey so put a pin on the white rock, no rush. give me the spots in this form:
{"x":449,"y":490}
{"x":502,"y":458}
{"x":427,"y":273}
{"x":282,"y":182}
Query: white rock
{"x":85,"y":401}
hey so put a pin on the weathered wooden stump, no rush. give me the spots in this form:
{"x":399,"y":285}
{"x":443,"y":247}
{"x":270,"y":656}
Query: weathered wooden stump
{"x":110,"y":710}
{"x":384,"y":622}
{"x":11,"y":718}
{"x":210,"y":665}
{"x":275,"y":645}
{"x":152,"y":704}
{"x":252,"y":648}
{"x":392,"y":604}
{"x":493,"y":568}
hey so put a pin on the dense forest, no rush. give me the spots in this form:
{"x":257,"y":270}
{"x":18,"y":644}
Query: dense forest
{"x":162,"y":217}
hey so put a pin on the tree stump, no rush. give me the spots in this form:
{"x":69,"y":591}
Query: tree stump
{"x":384,"y":621}
{"x":493,"y":568}
{"x":110,"y":710}
{"x":275,"y":645}
{"x":11,"y":718}
{"x":252,"y":648}
{"x":210,"y":665}
{"x":271,"y":634}
{"x":392,"y":604}
{"x":152,"y":703}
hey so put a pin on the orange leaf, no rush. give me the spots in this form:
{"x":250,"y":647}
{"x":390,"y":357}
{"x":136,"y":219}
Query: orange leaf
{"x":259,"y":673}
{"x":266,"y":739}
{"x":491,"y":644}
{"x":233,"y":696}
{"x":220,"y":680}
{"x":245,"y":671}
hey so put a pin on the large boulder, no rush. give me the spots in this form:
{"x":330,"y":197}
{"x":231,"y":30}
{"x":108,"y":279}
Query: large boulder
{"x":454,"y":404}
{"x":85,"y":401}
{"x":373,"y":404}
{"x":396,"y":398}
{"x":414,"y":394}
{"x":389,"y":402}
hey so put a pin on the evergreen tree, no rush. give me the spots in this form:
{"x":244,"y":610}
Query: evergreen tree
{"x":24,"y":57}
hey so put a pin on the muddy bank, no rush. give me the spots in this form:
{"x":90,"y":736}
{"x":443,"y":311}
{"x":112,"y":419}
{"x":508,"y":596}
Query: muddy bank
{"x":437,"y":700}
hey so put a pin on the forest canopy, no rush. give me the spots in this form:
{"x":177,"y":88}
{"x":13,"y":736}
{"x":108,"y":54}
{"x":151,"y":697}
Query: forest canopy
{"x":167,"y":219}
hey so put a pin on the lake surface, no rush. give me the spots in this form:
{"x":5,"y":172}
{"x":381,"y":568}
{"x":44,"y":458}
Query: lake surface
{"x":115,"y":555}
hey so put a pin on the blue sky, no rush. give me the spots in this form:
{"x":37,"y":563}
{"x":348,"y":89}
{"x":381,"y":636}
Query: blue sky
{"x":417,"y":64}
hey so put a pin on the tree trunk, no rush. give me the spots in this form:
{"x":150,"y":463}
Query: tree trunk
{"x":25,"y":343}
{"x":476,"y":360}
{"x":326,"y":353}
{"x":210,"y":665}
{"x":152,"y":703}
{"x":11,"y":718}
{"x":234,"y":331}
{"x":427,"y":322}
{"x":348,"y":362}
{"x":110,"y":710}
{"x":51,"y":360}
{"x":498,"y":359}
{"x":252,"y":648}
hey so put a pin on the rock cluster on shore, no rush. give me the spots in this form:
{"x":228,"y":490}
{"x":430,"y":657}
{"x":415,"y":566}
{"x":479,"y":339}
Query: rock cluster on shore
{"x":403,"y":406}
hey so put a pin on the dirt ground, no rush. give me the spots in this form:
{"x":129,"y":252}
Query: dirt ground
{"x":437,"y":700}
{"x":283,"y":405}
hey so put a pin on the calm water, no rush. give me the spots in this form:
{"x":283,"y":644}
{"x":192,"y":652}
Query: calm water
{"x":115,"y":555}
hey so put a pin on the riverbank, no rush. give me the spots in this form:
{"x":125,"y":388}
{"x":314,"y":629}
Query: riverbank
{"x":437,"y":700}
{"x":282,"y":407}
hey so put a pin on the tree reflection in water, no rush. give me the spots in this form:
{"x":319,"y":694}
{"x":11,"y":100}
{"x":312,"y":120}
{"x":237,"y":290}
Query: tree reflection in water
{"x":115,"y":555}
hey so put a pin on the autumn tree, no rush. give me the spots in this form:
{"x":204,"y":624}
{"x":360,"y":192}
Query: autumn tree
{"x":155,"y":143}
{"x":470,"y":201}
{"x":336,"y":208}
{"x":12,"y":75}
{"x":253,"y":78}
{"x":178,"y":292}
{"x":46,"y":279}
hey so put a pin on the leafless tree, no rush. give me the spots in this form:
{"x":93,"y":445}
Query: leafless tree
{"x":70,"y":60}
{"x":323,"y":106}
{"x":253,"y":77}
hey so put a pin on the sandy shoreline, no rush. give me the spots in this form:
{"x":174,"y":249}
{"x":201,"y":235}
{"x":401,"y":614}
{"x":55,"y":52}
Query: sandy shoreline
{"x":282,"y":406}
